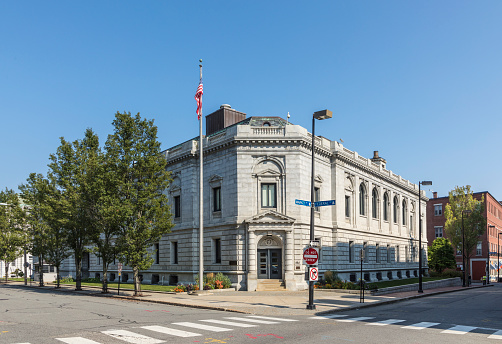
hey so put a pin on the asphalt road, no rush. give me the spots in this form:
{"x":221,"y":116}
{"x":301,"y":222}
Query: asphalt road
{"x":43,"y":316}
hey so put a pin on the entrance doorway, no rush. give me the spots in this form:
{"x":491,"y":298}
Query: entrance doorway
{"x":269,"y":263}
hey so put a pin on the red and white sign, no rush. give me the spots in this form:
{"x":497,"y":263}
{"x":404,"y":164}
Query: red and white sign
{"x":313,"y":274}
{"x":310,"y":255}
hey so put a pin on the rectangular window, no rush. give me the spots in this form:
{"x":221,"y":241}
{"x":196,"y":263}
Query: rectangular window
{"x":397,"y":253}
{"x":377,"y":250}
{"x":439,"y":231}
{"x":217,"y":250}
{"x":177,"y":206}
{"x":157,"y":253}
{"x":347,"y":206}
{"x":317,"y":197}
{"x":217,"y":199}
{"x":438,"y":209}
{"x":479,"y":248}
{"x":268,"y":196}
{"x":99,"y":260}
{"x":351,"y":252}
{"x":174,"y":252}
{"x":366,"y":252}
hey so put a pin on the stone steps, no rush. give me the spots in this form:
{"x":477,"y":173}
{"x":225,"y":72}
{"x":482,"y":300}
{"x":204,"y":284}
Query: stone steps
{"x":270,"y":285}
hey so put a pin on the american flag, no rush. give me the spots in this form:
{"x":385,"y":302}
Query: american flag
{"x":198,"y":99}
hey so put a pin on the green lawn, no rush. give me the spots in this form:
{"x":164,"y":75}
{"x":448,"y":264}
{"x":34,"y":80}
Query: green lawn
{"x":144,"y":287}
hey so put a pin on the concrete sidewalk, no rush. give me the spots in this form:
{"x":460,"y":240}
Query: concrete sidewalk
{"x":256,"y":302}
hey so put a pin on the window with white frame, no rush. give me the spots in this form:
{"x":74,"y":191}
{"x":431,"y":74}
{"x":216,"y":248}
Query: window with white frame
{"x":374,"y":203}
{"x":438,"y":209}
{"x":385,"y":207}
{"x":347,"y":206}
{"x":268,"y":195}
{"x":479,"y":248}
{"x":438,"y":231}
{"x":362,"y":200}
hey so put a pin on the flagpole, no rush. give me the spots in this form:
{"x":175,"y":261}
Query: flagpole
{"x":201,"y":203}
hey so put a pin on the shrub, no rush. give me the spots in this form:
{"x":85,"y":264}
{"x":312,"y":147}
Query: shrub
{"x":447,"y":273}
{"x":66,"y":279}
{"x":92,"y":280}
{"x":180,"y":288}
{"x":331,"y":277}
{"x":225,"y":280}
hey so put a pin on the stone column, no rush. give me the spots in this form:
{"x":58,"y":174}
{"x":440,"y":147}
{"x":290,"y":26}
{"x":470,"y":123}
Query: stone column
{"x":252,"y":281}
{"x":289,"y":256}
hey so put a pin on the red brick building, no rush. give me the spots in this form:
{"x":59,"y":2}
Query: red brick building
{"x":488,"y":246}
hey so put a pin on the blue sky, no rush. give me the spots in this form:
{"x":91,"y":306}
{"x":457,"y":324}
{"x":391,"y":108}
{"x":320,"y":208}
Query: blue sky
{"x":419,"y":81}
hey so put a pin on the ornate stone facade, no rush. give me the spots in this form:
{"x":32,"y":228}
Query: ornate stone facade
{"x":253,"y":230}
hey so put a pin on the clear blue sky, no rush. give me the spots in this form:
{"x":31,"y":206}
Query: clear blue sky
{"x":419,"y":81}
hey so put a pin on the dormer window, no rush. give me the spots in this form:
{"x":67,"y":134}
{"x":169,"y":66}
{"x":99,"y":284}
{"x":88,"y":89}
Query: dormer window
{"x":266,"y":124}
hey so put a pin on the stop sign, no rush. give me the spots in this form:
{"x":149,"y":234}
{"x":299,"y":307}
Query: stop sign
{"x":310,"y":256}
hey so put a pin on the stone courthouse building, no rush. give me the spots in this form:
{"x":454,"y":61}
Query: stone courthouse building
{"x":254,"y":170}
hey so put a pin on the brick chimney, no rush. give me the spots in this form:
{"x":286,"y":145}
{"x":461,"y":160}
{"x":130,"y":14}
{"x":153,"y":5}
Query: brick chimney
{"x":434,"y":194}
{"x":378,"y":160}
{"x":223,"y":117}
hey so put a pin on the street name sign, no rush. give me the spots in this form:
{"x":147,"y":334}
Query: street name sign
{"x":310,"y":255}
{"x":302,"y":202}
{"x":313,"y":274}
{"x":324,"y":203}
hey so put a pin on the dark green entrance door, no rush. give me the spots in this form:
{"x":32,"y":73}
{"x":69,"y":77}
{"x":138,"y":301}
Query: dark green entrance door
{"x":270,"y":264}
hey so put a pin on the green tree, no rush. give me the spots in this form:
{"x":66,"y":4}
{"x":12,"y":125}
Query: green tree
{"x":134,"y":152}
{"x":441,"y":255}
{"x":12,"y":228}
{"x":70,"y":169}
{"x":46,"y":219}
{"x":462,"y":205}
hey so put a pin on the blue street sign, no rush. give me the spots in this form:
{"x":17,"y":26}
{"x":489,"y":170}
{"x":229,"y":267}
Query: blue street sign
{"x":301,"y":202}
{"x":323,"y":203}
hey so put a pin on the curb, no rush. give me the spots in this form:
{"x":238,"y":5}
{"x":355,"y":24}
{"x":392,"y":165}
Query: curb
{"x":386,"y":302}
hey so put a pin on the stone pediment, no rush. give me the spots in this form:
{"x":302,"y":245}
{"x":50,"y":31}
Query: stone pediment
{"x":270,"y":217}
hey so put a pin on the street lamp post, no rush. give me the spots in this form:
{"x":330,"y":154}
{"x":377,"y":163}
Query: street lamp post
{"x":488,"y":254}
{"x":425,"y":182}
{"x":320,"y":115}
{"x":463,"y":245}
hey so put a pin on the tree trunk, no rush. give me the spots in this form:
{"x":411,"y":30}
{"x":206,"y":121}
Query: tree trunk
{"x":105,"y":277}
{"x":58,"y":277}
{"x":6,"y":271}
{"x":137,"y":283}
{"x":41,"y":271}
{"x":78,"y":266}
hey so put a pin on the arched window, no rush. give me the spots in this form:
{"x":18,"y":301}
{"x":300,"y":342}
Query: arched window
{"x":386,"y":207}
{"x":362,"y":199}
{"x":404,"y":212}
{"x":395,"y":209}
{"x":374,"y":203}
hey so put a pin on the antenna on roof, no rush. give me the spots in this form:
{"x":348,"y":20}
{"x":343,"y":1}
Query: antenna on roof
{"x":287,"y":120}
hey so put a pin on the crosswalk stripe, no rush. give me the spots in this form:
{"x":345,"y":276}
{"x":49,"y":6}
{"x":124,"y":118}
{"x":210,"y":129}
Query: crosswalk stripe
{"x":75,"y":340}
{"x":420,"y":325}
{"x":202,"y":326}
{"x":252,"y":320}
{"x":171,"y":331}
{"x":356,"y":319}
{"x":131,"y":337}
{"x":330,"y":316}
{"x":459,"y":329}
{"x":270,"y":318}
{"x":386,"y":322}
{"x":496,"y":335}
{"x":228,"y":323}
